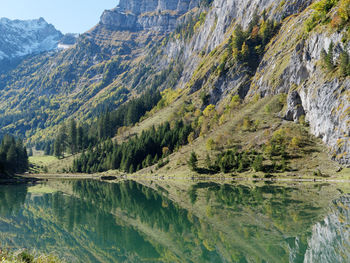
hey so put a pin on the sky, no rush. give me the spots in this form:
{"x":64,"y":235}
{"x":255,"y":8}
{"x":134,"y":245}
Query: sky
{"x":68,"y":16}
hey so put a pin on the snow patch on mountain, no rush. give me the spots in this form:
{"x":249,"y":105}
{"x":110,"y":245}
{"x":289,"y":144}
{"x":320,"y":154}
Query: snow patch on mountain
{"x":23,"y":37}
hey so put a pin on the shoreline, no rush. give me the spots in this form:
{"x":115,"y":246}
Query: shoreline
{"x":111,"y":178}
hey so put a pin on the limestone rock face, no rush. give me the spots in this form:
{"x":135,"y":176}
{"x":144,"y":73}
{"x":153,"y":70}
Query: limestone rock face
{"x":294,"y":63}
{"x":155,"y":15}
{"x":139,"y":7}
{"x":122,"y":21}
{"x":294,"y":107}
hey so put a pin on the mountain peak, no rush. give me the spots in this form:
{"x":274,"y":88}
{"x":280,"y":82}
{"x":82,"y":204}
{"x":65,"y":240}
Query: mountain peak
{"x":24,"y":37}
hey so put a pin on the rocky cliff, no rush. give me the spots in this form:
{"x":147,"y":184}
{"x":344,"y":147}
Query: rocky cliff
{"x":291,"y":65}
{"x":152,"y":15}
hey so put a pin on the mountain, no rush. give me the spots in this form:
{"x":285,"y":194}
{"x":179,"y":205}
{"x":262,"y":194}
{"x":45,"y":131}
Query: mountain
{"x":20,"y":38}
{"x":220,"y":64}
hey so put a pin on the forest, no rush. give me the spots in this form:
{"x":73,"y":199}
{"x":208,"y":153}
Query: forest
{"x":149,"y":148}
{"x":73,"y":138}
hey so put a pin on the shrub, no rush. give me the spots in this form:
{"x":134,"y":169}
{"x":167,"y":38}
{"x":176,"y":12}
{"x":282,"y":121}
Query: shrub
{"x":210,"y":144}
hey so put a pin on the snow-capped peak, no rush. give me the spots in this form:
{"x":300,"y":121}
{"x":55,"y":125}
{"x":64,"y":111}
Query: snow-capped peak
{"x":23,"y":37}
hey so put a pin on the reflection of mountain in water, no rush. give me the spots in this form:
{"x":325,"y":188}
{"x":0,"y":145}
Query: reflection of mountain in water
{"x":330,"y":240}
{"x":133,"y":222}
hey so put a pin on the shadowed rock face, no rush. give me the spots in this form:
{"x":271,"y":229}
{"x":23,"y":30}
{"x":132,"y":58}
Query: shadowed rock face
{"x":153,"y":15}
{"x":295,"y":109}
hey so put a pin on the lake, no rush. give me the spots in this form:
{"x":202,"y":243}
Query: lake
{"x":178,"y":221}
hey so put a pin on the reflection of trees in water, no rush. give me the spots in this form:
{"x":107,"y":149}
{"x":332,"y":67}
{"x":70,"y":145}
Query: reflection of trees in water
{"x":150,"y":206}
{"x":89,"y":226}
{"x":154,"y":209}
{"x":12,"y":198}
{"x":236,"y":224}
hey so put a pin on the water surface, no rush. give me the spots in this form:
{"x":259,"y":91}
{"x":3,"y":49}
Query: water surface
{"x":92,"y":221}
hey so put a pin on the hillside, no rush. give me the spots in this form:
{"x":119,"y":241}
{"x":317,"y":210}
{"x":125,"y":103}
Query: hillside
{"x":253,"y":77}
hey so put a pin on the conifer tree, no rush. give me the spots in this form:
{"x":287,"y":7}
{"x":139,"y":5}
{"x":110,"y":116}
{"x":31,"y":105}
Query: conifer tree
{"x":193,"y":161}
{"x":344,"y":64}
{"x":72,"y":136}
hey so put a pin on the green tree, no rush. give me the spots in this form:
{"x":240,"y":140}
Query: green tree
{"x":193,"y":161}
{"x":328,"y":57}
{"x":58,"y":148}
{"x":72,"y":136}
{"x":344,"y":64}
{"x":258,"y":163}
{"x":239,"y":38}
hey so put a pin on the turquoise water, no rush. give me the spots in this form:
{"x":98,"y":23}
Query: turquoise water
{"x":92,"y":221}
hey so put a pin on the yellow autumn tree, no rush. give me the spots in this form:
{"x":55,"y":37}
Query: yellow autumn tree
{"x":245,"y":51}
{"x":344,"y":10}
{"x":209,"y":111}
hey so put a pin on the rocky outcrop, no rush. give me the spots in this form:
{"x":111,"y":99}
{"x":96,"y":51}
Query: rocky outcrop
{"x":139,"y":7}
{"x":20,"y":38}
{"x":160,"y":16}
{"x":294,"y":107}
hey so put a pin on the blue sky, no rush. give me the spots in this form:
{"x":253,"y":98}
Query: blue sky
{"x":75,"y":16}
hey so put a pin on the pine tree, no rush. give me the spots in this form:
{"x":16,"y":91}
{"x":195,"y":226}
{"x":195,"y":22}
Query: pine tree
{"x":344,"y":64}
{"x":57,"y":148}
{"x":239,"y":38}
{"x":328,"y":57}
{"x":193,"y":161}
{"x":11,"y":158}
{"x":258,"y":163}
{"x":72,"y":136}
{"x":47,"y":149}
{"x":81,"y":143}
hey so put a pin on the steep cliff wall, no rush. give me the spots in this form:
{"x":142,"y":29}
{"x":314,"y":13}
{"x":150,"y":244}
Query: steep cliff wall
{"x":292,"y":64}
{"x":138,"y":7}
{"x":152,"y":15}
{"x":220,"y":21}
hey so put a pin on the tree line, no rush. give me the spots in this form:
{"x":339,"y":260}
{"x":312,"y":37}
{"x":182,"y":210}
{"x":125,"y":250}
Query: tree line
{"x":142,"y":151}
{"x":13,"y":156}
